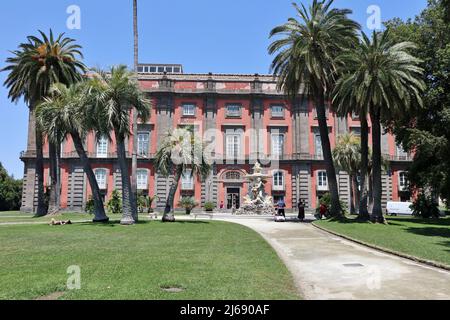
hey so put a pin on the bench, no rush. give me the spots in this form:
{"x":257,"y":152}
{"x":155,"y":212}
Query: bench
{"x":204,"y":214}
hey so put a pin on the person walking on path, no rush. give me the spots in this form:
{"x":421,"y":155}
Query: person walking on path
{"x":301,"y":210}
{"x":281,"y":208}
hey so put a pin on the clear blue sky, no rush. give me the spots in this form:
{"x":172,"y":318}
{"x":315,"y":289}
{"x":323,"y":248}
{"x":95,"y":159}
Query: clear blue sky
{"x":204,"y":35}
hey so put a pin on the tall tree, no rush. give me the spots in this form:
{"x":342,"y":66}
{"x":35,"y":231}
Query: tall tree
{"x":347,"y":156}
{"x":305,"y":63}
{"x":389,"y":84}
{"x":10,"y":191}
{"x":181,"y":151}
{"x":134,"y":160}
{"x":446,"y":5}
{"x":117,"y":93}
{"x":34,"y":67}
{"x":426,"y":132}
{"x":71,"y":112}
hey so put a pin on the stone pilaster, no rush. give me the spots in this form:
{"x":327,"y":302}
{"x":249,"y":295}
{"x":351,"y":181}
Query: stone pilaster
{"x":301,"y":126}
{"x":256,"y":138}
{"x":164,"y":113}
{"x":209,"y":186}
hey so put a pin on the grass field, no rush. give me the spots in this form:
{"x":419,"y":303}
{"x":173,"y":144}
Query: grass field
{"x":426,"y":239}
{"x":207,"y":260}
{"x":13,"y":216}
{"x":19,"y":217}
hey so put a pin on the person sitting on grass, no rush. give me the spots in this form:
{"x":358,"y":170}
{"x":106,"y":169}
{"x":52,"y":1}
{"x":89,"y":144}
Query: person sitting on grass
{"x":59,"y":223}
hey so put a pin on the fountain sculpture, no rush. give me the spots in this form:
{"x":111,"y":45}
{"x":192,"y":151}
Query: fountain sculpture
{"x":257,"y":202}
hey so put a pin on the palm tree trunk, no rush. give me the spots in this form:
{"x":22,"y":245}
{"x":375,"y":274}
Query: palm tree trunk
{"x":99,"y":208}
{"x":134,"y":161}
{"x":352,"y":195}
{"x":53,"y":204}
{"x":363,"y":212}
{"x":127,"y":194}
{"x":335,"y":210}
{"x":168,"y":211}
{"x":41,"y":207}
{"x":377,"y":213}
{"x":370,"y":193}
{"x":357,"y":193}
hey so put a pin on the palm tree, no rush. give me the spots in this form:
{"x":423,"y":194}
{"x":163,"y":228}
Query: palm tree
{"x":346,"y":100}
{"x":69,"y":111}
{"x":34,"y":67}
{"x":386,"y":82}
{"x":181,"y":151}
{"x":347,"y":156}
{"x":305,"y":62}
{"x":117,"y":93}
{"x":134,"y":161}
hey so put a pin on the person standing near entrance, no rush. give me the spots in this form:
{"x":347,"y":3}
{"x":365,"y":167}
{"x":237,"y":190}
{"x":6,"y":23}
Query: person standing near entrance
{"x":281,"y":208}
{"x":301,"y":210}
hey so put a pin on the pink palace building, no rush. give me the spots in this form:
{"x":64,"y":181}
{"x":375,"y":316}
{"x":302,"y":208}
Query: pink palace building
{"x":244,"y":118}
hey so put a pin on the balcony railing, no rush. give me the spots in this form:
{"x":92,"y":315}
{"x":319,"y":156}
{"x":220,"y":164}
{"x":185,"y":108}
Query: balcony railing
{"x":404,"y":158}
{"x":278,"y":188}
{"x":322,"y":188}
{"x":90,"y":155}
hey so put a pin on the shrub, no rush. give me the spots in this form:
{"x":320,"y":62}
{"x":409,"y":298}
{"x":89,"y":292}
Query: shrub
{"x":424,"y":206}
{"x":89,"y":207}
{"x":188,"y":203}
{"x":326,"y":200}
{"x":146,"y":202}
{"x":114,"y":205}
{"x":210,"y":206}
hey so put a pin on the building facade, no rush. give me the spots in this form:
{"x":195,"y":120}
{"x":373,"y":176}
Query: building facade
{"x":242,"y":118}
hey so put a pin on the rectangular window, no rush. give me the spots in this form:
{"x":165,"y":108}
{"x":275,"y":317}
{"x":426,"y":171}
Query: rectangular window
{"x":277,"y":111}
{"x":277,"y":144}
{"x":143,"y":144}
{"x":356,"y":131}
{"x":233,"y":146}
{"x":189,"y":109}
{"x":403,"y":181}
{"x":102,"y":147}
{"x":187,"y":180}
{"x":100,"y":175}
{"x":234,"y":110}
{"x":322,"y":180}
{"x":401,"y":153}
{"x":142,"y":179}
{"x":278,"y":181}
{"x":318,"y":145}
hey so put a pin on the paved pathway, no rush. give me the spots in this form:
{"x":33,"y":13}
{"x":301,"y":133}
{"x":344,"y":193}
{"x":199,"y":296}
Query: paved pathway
{"x":328,"y":267}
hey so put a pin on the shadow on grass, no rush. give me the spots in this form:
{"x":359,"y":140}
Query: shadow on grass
{"x":347,"y":220}
{"x":431,"y":221}
{"x":430,"y":232}
{"x":116,"y":223}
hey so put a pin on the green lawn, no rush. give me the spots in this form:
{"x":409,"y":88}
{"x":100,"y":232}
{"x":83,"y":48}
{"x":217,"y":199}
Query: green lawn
{"x":209,"y":260}
{"x":426,"y":239}
{"x":14,"y":216}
